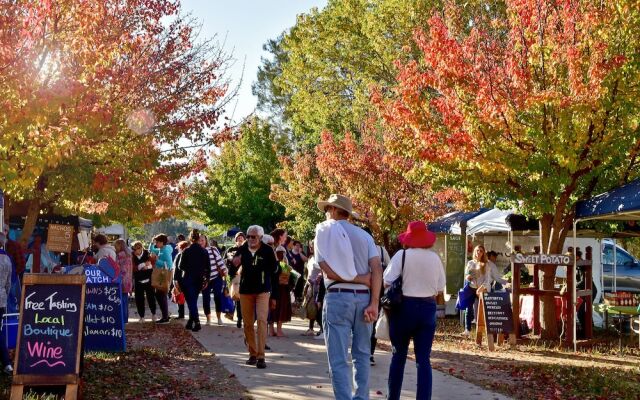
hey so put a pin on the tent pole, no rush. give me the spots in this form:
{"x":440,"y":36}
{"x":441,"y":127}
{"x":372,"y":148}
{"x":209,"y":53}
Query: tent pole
{"x":615,"y":266}
{"x":573,"y":289}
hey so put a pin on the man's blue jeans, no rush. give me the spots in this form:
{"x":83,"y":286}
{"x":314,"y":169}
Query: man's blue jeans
{"x":415,"y":319}
{"x":342,"y":322}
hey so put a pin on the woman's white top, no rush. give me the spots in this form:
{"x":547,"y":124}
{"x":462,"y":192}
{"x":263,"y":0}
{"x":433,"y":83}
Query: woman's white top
{"x":423,"y":272}
{"x":491,"y":274}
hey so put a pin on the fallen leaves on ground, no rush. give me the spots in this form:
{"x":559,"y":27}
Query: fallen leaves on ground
{"x":161,"y":362}
{"x":537,"y":369}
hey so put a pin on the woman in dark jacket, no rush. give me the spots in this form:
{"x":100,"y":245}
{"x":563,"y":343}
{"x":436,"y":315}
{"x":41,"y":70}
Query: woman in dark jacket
{"x":142,"y":269}
{"x":194,"y":264}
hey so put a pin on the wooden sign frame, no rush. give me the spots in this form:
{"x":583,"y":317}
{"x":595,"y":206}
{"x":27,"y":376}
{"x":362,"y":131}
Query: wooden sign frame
{"x":70,"y":381}
{"x":58,"y":246}
{"x":482,"y":329}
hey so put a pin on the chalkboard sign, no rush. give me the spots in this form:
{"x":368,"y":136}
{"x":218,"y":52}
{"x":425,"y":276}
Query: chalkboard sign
{"x":49,"y":348}
{"x":59,"y":238}
{"x":497,"y":312}
{"x":455,"y":263}
{"x":104,"y":314}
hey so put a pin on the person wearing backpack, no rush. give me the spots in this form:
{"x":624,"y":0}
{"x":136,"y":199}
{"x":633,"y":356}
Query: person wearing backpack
{"x":423,"y":278}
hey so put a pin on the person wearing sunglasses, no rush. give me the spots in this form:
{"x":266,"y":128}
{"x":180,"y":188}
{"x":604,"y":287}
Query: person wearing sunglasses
{"x":257,"y":263}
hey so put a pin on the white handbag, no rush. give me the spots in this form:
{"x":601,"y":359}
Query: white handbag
{"x":382,"y":327}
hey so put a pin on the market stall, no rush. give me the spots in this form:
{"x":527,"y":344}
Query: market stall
{"x":493,"y":227}
{"x":53,"y":237}
{"x":450,"y":230}
{"x":619,"y":204}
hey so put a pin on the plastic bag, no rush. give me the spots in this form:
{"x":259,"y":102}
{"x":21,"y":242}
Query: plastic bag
{"x":382,"y":327}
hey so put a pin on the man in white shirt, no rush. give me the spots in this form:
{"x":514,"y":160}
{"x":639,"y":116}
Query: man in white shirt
{"x":350,"y":306}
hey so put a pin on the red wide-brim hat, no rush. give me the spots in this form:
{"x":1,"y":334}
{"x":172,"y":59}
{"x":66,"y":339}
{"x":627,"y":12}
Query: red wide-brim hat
{"x":417,"y":235}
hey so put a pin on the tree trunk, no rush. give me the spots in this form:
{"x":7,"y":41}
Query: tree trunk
{"x":30,"y":223}
{"x":35,"y":204}
{"x":553,"y":232}
{"x":549,"y":327}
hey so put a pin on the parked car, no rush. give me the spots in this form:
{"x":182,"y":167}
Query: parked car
{"x":627,"y":269}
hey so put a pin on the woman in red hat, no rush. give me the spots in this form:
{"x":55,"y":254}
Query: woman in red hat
{"x":422,"y":279}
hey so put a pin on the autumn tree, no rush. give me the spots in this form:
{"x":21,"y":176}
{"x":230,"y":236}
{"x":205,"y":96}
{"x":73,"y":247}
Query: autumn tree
{"x":96,"y":96}
{"x":381,"y":193}
{"x":536,"y":108}
{"x":301,"y":184}
{"x":319,"y":79}
{"x":237,"y":182}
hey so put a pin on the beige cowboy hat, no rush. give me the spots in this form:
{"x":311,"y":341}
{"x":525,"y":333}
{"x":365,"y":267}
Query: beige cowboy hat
{"x":336,"y":200}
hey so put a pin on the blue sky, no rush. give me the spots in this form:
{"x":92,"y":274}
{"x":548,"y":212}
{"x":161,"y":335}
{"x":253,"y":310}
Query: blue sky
{"x":247,"y":25}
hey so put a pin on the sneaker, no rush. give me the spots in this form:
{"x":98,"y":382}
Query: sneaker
{"x":319,"y":336}
{"x":219,"y":322}
{"x":208,"y":320}
{"x":309,"y":332}
{"x":261,"y":364}
{"x":153,"y":318}
{"x":162,"y":321}
{"x":196,"y":326}
{"x":141,"y":319}
{"x":9,"y":369}
{"x":252,"y":360}
{"x":372,"y":361}
{"x":466,"y":333}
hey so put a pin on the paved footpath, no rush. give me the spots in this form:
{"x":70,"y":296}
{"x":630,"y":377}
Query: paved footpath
{"x":297,"y":368}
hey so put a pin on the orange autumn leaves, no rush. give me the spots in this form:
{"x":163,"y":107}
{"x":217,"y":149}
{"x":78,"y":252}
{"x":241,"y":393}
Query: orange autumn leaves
{"x":104,"y":90}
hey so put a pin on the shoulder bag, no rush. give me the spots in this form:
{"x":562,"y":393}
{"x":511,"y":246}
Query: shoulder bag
{"x":393,"y":295}
{"x":161,"y":279}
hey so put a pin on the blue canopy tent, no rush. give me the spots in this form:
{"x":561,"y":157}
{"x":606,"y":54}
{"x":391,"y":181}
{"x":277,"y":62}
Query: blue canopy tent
{"x":454,"y":222}
{"x":619,"y":204}
{"x":232,"y":232}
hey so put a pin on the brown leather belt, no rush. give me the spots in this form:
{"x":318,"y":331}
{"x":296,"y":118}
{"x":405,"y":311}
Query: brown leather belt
{"x":345,"y":290}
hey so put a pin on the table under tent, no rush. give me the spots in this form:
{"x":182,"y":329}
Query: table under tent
{"x":508,"y":233}
{"x":619,"y":204}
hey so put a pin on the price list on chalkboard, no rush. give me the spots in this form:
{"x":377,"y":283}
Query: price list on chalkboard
{"x":104,"y":317}
{"x":50,"y":328}
{"x":497,"y":311}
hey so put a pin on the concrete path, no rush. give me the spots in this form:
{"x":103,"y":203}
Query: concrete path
{"x":297,"y":368}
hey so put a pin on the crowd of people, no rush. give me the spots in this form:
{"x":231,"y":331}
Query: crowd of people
{"x":336,"y":282}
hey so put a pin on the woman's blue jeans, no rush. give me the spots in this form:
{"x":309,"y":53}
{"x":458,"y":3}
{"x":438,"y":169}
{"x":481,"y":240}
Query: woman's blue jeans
{"x":415,"y":319}
{"x":215,"y":288}
{"x":191,"y":292}
{"x":470,"y":315}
